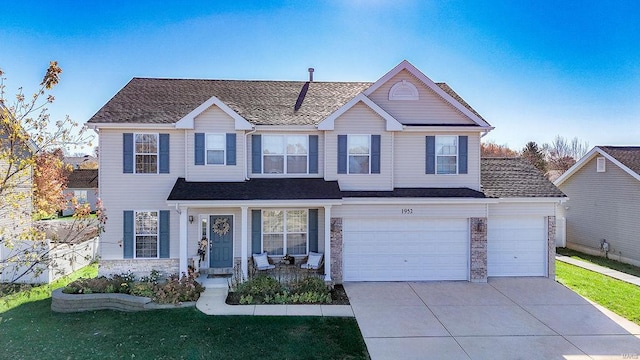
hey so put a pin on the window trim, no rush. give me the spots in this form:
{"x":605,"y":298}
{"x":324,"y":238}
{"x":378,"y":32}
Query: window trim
{"x":224,"y":149}
{"x":457,"y":155}
{"x":284,"y":230}
{"x":135,"y":234}
{"x":136,"y":153}
{"x":285,"y":170}
{"x":349,"y":154}
{"x":601,"y":164}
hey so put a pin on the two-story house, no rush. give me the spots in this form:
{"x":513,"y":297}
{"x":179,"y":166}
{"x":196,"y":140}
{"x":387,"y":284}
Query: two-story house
{"x":384,"y":178}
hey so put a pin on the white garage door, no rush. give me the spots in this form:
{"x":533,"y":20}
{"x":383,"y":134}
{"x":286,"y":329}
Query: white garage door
{"x":516,"y":246}
{"x":405,"y":249}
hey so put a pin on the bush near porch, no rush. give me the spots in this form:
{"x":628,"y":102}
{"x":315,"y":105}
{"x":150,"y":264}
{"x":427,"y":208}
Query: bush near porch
{"x":265,"y":289}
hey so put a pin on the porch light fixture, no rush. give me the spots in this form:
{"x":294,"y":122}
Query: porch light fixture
{"x":190,"y":219}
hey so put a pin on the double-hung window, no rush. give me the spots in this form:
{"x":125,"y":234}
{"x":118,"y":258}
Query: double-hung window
{"x":81,"y":196}
{"x":285,"y":154}
{"x":359,"y":152}
{"x":446,"y":154}
{"x":146,"y":234}
{"x":285,"y":232}
{"x":146,"y":153}
{"x":216,"y":147}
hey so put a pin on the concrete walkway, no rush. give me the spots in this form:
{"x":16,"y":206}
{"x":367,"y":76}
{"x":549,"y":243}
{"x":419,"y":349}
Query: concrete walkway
{"x":600,"y":269}
{"x":506,"y":318}
{"x":212,"y":302}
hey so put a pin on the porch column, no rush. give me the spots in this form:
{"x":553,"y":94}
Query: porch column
{"x":183,"y":240}
{"x":327,"y":243}
{"x":244,"y":241}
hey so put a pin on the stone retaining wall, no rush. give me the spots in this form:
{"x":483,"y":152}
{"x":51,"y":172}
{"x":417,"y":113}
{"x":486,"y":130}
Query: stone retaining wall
{"x":68,"y":303}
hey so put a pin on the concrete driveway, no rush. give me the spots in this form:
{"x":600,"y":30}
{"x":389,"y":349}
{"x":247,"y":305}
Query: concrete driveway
{"x":506,"y":318}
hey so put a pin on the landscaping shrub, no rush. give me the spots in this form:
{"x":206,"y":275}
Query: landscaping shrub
{"x":171,"y":291}
{"x":267,"y":290}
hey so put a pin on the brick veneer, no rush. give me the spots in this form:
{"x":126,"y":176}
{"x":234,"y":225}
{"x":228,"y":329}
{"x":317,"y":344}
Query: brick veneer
{"x":478,"y":271}
{"x":336,"y":250}
{"x":551,"y":242}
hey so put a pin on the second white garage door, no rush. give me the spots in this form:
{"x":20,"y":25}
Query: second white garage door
{"x":405,"y":249}
{"x":516,"y":246}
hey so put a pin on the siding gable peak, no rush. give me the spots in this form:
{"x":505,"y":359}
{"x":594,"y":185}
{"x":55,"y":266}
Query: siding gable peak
{"x":391,"y":123}
{"x":187,"y":122}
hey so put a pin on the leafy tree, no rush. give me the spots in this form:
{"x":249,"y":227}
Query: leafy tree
{"x":562,"y":153}
{"x":49,"y":181}
{"x":28,"y":139}
{"x":491,"y":149}
{"x":534,"y":154}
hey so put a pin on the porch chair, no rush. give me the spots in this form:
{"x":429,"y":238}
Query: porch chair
{"x":314,"y":261}
{"x":261,"y":262}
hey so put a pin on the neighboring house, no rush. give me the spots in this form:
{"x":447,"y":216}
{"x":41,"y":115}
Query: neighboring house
{"x":83,"y":185}
{"x":81,"y":162}
{"x":384,"y":178}
{"x":604,"y":202}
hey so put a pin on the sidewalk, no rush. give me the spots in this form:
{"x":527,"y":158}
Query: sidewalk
{"x":212,"y":302}
{"x":600,"y":269}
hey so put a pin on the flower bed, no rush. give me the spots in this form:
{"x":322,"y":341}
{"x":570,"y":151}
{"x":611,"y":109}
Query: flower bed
{"x":267,"y":290}
{"x":124,"y":292}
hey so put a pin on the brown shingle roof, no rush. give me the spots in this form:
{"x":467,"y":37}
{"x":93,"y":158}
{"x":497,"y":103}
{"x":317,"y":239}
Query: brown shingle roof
{"x":629,"y":156}
{"x":165,"y":101}
{"x":83,"y":179}
{"x":514,"y":177}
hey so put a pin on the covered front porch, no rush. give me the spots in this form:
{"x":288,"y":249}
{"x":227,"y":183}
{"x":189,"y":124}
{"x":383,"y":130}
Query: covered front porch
{"x":231,"y":221}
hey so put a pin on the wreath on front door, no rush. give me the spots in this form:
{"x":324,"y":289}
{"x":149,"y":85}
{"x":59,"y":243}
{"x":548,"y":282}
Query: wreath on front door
{"x":221,"y":226}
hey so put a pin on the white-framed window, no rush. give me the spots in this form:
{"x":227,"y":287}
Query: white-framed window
{"x":81,"y":196}
{"x":285,"y":154}
{"x":359,"y":154}
{"x":146,"y":153}
{"x":446,"y":154}
{"x":216,"y":145}
{"x":285,"y":232}
{"x":146,"y":244}
{"x":601,"y":164}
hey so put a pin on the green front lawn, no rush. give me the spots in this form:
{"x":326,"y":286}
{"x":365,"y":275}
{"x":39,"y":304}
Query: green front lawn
{"x":599,"y":260}
{"x":32,"y":331}
{"x":616,"y":295}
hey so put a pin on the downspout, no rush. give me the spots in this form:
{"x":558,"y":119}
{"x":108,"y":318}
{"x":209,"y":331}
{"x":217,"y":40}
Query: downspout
{"x":393,"y":160}
{"x":246,"y":157}
{"x":186,"y":176}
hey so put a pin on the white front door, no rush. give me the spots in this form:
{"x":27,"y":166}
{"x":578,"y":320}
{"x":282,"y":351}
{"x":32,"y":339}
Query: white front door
{"x":405,"y":249}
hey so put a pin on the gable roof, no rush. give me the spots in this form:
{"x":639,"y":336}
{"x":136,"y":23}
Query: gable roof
{"x":166,"y":101}
{"x":83,"y":179}
{"x":442,"y":90}
{"x":515,"y":178}
{"x":626,"y":158}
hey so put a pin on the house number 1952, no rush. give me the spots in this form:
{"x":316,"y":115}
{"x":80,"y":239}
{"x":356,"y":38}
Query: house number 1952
{"x":407,"y":211}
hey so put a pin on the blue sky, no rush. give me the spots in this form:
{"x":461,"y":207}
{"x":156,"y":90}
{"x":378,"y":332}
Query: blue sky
{"x":533,"y":69}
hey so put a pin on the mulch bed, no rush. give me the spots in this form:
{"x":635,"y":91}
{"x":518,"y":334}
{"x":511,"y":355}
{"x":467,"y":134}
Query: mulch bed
{"x":338,"y":297}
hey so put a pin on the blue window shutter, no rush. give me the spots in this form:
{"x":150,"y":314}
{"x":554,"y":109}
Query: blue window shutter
{"x":431,"y":155}
{"x":127,"y":236}
{"x":198,"y":145}
{"x":313,"y":230}
{"x":164,"y":233}
{"x":256,"y":231}
{"x":342,"y":154}
{"x":256,"y":154}
{"x":313,"y":154}
{"x":127,"y":153}
{"x":164,"y":154}
{"x":462,"y":154}
{"x":231,"y":149}
{"x":375,"y":154}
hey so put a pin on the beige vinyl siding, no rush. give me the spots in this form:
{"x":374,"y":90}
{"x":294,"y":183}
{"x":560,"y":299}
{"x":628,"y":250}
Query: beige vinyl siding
{"x":429,"y":109}
{"x":360,"y":120}
{"x":410,"y":163}
{"x":214,"y":120}
{"x":121,"y":192}
{"x":287,"y":132}
{"x":390,"y":212}
{"x":603,"y":205}
{"x":522,"y":209}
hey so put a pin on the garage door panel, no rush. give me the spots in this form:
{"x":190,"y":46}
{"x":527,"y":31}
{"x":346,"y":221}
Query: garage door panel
{"x":516,"y":246}
{"x":419,"y":249}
